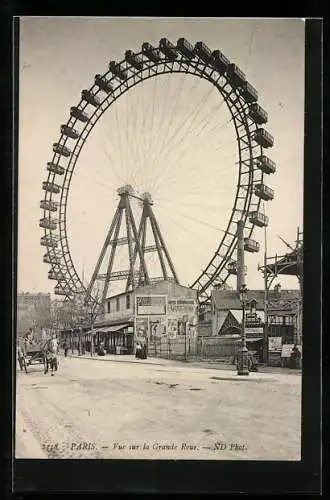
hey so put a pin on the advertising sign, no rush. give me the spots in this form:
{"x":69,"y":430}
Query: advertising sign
{"x":141,"y":327}
{"x":181,"y":307}
{"x":286,"y":350}
{"x":157,"y":326}
{"x":148,"y":305}
{"x":275,"y":344}
{"x":172,"y":328}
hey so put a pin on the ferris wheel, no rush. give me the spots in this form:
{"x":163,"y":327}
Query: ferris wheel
{"x":196,"y":65}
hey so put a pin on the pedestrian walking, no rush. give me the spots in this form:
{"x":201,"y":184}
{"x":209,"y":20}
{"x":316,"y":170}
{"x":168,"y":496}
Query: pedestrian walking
{"x":252,"y":364}
{"x":66,"y":348}
{"x":138,"y":351}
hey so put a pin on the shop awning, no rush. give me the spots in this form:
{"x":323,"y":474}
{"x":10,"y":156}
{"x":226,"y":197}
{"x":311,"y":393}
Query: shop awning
{"x":109,"y":329}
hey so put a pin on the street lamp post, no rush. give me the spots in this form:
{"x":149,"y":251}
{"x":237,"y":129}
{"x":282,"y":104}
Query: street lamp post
{"x":92,"y":333}
{"x":243,"y":361}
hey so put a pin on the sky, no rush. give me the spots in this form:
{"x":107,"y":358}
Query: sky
{"x":170,"y":136}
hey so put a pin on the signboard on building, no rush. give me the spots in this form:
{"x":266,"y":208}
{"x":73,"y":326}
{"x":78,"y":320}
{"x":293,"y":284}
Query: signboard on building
{"x":256,"y":331}
{"x":172,"y":328}
{"x":274,"y":344}
{"x":286,"y":350}
{"x":142,"y":327}
{"x":149,"y":305}
{"x":159,"y":316}
{"x":158,"y":326}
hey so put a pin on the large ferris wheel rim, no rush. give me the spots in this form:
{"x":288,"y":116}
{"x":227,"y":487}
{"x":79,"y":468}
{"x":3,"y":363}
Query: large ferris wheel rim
{"x":212,"y":271}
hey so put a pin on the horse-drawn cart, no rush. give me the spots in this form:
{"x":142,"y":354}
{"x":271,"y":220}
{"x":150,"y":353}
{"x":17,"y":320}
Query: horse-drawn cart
{"x":30,"y":353}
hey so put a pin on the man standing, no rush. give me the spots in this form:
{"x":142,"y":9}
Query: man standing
{"x":66,"y":348}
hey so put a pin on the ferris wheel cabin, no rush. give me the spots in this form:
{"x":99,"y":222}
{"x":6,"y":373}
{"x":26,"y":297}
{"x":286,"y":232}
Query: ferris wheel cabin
{"x":251,"y":245}
{"x":49,"y":205}
{"x":258,"y":219}
{"x":103,"y":84}
{"x":203,"y":51}
{"x":47,"y":259}
{"x":134,"y":60}
{"x":258,"y":114}
{"x":168,"y":49}
{"x":185,"y":48}
{"x":263,"y":138}
{"x":78,"y":114}
{"x":56,"y":169}
{"x":265,"y":164}
{"x":264,"y":192}
{"x":48,"y":241}
{"x":232,"y":268}
{"x":117,"y":71}
{"x":55,"y":275}
{"x":236,"y":75}
{"x":48,"y":223}
{"x":61,"y":150}
{"x":87,"y":96}
{"x":249,"y":93}
{"x":51,"y":187}
{"x":151,"y":52}
{"x":69,"y":132}
{"x":220,"y":61}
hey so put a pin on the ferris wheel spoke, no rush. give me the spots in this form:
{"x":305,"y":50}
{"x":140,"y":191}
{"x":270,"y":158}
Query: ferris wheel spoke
{"x":194,"y":219}
{"x":171,"y":113}
{"x":135,"y":127}
{"x":194,"y":133}
{"x":172,"y":147}
{"x":196,"y":169}
{"x":170,"y":142}
{"x":112,"y":162}
{"x":193,"y":236}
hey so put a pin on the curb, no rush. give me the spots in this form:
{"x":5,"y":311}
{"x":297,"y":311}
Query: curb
{"x":192,"y":364}
{"x":100,"y":358}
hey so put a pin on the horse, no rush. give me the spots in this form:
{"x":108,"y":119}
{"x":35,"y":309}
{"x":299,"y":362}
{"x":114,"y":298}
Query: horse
{"x":50,"y":354}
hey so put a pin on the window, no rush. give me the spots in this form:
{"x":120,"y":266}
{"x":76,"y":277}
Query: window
{"x":128,"y":301}
{"x":108,"y":306}
{"x":289,"y":320}
{"x":117,"y":304}
{"x":276,"y":320}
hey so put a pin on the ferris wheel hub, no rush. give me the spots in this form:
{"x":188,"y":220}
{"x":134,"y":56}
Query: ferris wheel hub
{"x":126,"y":189}
{"x":146,"y":197}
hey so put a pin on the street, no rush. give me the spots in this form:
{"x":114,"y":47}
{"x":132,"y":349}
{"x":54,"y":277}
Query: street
{"x":93,"y":408}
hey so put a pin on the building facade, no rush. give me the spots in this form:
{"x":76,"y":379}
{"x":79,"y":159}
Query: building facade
{"x":162,"y":315}
{"x":271,"y":329}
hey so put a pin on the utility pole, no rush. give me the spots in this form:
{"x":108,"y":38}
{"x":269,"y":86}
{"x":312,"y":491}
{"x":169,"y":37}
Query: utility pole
{"x":240,"y":255}
{"x":242,"y":362}
{"x":265,"y":353}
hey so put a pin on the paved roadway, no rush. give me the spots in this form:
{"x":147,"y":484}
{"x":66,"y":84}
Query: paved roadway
{"x":93,"y":408}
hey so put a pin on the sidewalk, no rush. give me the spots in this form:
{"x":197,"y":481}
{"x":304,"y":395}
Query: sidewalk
{"x":213,"y":365}
{"x":122,"y":358}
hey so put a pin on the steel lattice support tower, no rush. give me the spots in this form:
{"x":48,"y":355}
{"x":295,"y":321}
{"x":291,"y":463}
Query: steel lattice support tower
{"x":137,"y":273}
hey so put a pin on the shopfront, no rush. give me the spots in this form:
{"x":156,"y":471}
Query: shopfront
{"x":116,"y":339}
{"x":165,"y":319}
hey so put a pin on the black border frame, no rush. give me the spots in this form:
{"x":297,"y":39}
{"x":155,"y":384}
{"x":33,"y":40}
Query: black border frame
{"x":268,"y":477}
